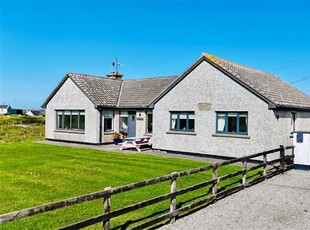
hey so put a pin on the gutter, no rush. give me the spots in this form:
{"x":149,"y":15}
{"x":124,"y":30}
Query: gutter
{"x":290,"y":107}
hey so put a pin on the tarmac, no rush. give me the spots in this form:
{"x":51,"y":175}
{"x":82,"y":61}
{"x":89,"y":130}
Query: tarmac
{"x":115,"y":148}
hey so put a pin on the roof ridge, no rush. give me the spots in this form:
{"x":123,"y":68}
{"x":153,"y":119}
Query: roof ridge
{"x":146,"y":78}
{"x":120,"y":93}
{"x":71,"y":74}
{"x":215,"y":59}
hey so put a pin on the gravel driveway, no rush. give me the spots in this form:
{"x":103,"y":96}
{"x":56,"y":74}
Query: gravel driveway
{"x":282,"y":202}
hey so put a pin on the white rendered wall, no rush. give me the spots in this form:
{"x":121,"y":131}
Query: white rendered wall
{"x":70,"y":97}
{"x":206,"y":84}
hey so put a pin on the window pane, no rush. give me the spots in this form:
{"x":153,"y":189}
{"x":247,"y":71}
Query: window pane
{"x":191,"y":124}
{"x":59,"y":119}
{"x":82,"y":121}
{"x":149,"y":123}
{"x":191,"y":116}
{"x":124,"y":123}
{"x":75,"y":120}
{"x":108,"y":124}
{"x":191,"y":121}
{"x":221,"y":122}
{"x":124,"y":114}
{"x":182,"y":122}
{"x":243,"y":123}
{"x":232,"y":123}
{"x":174,"y":116}
{"x":108,"y":120}
{"x":173,"y":123}
{"x":67,"y":120}
{"x":183,"y":116}
{"x":108,"y":114}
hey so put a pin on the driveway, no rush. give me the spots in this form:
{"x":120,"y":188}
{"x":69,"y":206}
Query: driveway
{"x":282,"y":202}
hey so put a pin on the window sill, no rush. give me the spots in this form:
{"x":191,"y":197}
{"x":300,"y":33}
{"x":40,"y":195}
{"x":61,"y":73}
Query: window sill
{"x":230,"y":135}
{"x":69,"y":131}
{"x":148,"y":134}
{"x":109,"y":132}
{"x":181,"y":133}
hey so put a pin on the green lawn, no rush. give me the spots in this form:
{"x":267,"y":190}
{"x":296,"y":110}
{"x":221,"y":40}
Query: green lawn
{"x":33,"y":174}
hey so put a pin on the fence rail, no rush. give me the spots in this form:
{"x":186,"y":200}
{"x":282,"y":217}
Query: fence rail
{"x":279,"y":165}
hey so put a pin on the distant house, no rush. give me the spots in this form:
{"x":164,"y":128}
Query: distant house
{"x":6,"y":110}
{"x":89,"y":109}
{"x":218,"y":107}
{"x":33,"y":113}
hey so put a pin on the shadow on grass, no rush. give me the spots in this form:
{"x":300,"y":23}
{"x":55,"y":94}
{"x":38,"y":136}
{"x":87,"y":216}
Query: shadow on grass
{"x":130,"y":222}
{"x":188,"y":201}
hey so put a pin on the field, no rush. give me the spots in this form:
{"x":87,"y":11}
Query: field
{"x":21,"y":128}
{"x":33,"y":174}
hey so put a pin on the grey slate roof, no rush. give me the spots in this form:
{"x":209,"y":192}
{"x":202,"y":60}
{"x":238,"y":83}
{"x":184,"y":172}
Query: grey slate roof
{"x":268,"y":85}
{"x":3,"y":106}
{"x":141,"y":92}
{"x":101,"y":91}
{"x":107,"y":92}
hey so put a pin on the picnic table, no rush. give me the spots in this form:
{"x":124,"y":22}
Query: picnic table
{"x":135,"y":142}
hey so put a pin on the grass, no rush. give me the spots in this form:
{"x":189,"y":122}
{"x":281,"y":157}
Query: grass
{"x":21,"y":128}
{"x":33,"y":174}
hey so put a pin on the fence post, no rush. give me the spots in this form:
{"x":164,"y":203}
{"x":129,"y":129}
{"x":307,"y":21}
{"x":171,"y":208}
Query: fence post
{"x":173,"y":200}
{"x":265,"y":166}
{"x":282,"y":156}
{"x":244,"y":169}
{"x":106,"y":207}
{"x":214,"y":177}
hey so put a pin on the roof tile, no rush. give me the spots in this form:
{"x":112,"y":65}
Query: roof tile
{"x":106,"y":92}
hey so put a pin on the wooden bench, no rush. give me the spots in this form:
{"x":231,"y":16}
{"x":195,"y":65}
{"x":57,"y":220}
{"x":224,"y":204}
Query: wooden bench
{"x":136,"y":143}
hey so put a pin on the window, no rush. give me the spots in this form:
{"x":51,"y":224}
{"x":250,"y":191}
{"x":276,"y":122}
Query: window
{"x":124,"y":121}
{"x":149,"y":122}
{"x":108,"y":121}
{"x":293,"y":120}
{"x":70,"y":119}
{"x":232,"y":122}
{"x":182,"y":121}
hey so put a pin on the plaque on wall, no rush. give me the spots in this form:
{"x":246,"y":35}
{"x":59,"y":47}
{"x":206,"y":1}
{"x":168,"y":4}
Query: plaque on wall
{"x":204,"y":106}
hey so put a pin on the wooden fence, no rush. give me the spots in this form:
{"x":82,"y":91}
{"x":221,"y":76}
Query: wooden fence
{"x":269,"y":168}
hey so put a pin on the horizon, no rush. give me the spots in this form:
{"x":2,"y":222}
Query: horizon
{"x":41,"y":41}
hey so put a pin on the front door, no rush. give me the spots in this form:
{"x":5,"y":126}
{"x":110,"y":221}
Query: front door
{"x":131,"y":124}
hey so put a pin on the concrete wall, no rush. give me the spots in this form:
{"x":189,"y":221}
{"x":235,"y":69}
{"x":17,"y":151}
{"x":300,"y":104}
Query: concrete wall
{"x":302,"y":122}
{"x":141,"y":125}
{"x":205,"y":84}
{"x":70,"y":97}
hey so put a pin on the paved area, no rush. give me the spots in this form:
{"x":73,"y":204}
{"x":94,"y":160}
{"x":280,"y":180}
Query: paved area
{"x":115,"y":148}
{"x":282,"y":202}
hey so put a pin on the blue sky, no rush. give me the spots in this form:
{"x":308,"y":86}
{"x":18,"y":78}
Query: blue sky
{"x":42,"y":40}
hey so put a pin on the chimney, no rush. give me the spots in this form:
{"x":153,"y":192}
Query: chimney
{"x":115,"y":75}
